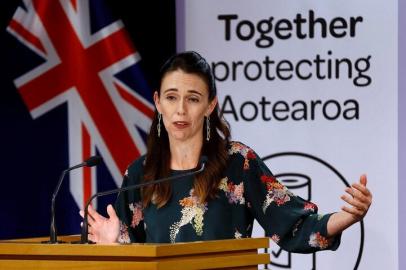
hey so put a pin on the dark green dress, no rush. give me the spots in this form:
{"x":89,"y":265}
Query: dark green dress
{"x":247,"y":191}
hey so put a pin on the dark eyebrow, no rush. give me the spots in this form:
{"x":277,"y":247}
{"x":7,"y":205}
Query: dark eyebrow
{"x":195,"y":92}
{"x":189,"y":91}
{"x":170,"y":90}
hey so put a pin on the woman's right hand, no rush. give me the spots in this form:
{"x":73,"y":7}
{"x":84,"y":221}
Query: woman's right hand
{"x":102,"y":229}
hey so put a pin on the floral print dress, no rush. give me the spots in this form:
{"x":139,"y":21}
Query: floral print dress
{"x":247,"y":191}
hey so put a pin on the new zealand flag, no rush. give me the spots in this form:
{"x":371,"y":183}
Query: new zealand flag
{"x":79,"y":79}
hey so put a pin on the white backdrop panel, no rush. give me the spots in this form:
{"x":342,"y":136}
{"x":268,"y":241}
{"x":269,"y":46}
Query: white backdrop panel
{"x":326,"y":129}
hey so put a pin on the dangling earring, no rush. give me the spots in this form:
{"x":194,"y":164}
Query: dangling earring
{"x":158,"y":126}
{"x":208,"y":128}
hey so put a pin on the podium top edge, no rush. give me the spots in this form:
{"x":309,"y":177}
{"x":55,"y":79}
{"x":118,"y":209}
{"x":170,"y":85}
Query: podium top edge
{"x":33,"y":246}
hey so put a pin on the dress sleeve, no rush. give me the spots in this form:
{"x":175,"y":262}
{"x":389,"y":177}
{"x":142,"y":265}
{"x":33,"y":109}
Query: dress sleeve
{"x":289,"y":220}
{"x":129,"y":208}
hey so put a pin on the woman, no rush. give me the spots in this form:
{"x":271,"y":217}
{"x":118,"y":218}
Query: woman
{"x":222,"y":201}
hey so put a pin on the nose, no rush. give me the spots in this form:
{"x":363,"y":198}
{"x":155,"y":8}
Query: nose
{"x":181,"y":109}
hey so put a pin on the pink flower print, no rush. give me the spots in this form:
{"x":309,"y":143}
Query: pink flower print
{"x":239,"y":190}
{"x":250,"y":154}
{"x":235,"y":148}
{"x":234,"y":193}
{"x":246,"y":164}
{"x":192,"y":213}
{"x":269,"y":181}
{"x":138,"y":215}
{"x":191,"y":201}
{"x":318,"y":241}
{"x":276,"y":192}
{"x":243,"y":150}
{"x":310,"y":206}
{"x":275,"y":238}
{"x":123,"y":236}
{"x":281,"y":199}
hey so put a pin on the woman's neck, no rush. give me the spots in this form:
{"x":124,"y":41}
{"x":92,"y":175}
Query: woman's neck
{"x":185,"y":154}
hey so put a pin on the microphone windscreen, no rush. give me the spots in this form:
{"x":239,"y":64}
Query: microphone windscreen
{"x":93,"y":161}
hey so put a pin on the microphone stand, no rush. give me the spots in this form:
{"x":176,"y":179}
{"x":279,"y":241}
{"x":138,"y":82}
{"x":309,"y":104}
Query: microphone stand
{"x":90,"y":162}
{"x":52,"y":235}
{"x":84,"y":239}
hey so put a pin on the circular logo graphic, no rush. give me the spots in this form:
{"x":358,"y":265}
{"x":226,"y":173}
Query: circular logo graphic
{"x":314,"y":179}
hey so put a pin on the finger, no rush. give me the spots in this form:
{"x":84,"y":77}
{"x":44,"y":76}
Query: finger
{"x":91,"y":238}
{"x":355,"y":194}
{"x":90,"y":211}
{"x":111,"y":212}
{"x":92,"y":231}
{"x":354,"y":203}
{"x":90,"y":219}
{"x":361,"y":188}
{"x":358,"y":195}
{"x":95,"y":216}
{"x":363,"y":180}
{"x":351,"y":192}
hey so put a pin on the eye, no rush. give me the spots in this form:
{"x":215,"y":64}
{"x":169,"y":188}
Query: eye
{"x":171,"y":98}
{"x":194,"y":99}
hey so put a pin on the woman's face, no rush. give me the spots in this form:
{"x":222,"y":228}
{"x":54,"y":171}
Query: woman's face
{"x":183,"y":103}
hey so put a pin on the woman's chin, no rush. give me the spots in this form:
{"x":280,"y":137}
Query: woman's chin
{"x":181,"y":136}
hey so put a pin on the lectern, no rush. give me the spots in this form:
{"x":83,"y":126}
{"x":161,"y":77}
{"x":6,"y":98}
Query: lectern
{"x":221,"y":254}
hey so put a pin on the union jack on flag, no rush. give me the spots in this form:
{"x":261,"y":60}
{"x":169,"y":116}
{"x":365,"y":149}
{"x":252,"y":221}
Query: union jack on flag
{"x":88,"y":63}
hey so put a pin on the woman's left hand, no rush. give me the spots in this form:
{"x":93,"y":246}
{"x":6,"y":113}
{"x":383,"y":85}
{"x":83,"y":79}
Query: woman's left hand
{"x":360,"y":199}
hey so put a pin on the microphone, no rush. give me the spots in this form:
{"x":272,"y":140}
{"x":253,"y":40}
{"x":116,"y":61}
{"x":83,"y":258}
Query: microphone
{"x":90,"y":162}
{"x":84,"y":239}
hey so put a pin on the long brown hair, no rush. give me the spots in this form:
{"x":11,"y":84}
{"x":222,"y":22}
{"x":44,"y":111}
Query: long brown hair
{"x":158,"y":157}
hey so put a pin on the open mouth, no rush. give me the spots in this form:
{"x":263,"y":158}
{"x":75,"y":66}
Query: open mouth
{"x":181,"y":124}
